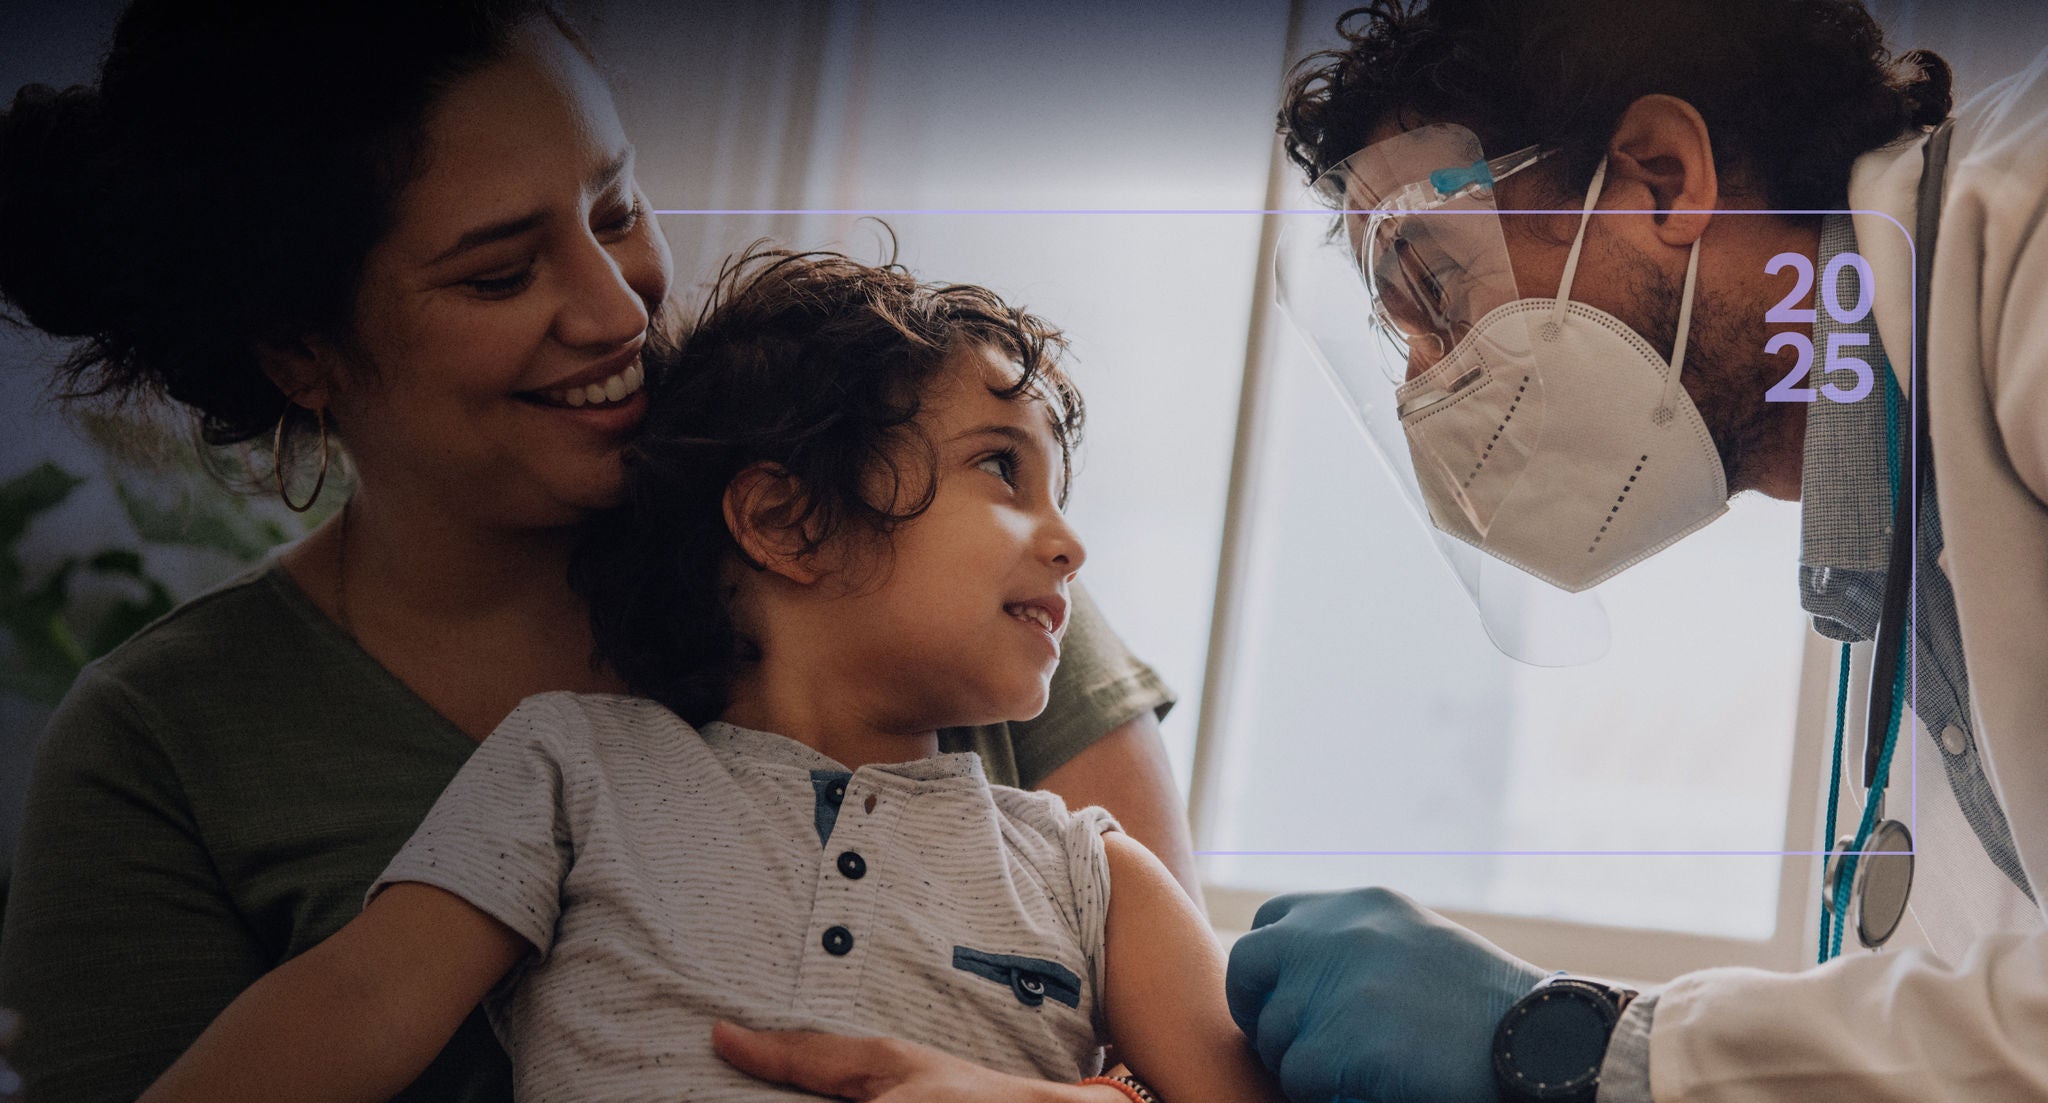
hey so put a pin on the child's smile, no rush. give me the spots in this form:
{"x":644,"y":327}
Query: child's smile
{"x":1047,"y":614}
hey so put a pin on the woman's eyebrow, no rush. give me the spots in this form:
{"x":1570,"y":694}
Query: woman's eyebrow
{"x":485,"y":235}
{"x":606,"y":174}
{"x":609,"y":172}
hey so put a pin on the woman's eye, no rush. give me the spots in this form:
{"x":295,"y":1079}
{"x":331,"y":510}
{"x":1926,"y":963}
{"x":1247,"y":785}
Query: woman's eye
{"x":498,"y":287}
{"x":625,"y":222}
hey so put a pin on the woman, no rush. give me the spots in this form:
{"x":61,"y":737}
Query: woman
{"x":415,"y":231}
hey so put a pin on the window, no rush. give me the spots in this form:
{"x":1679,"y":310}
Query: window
{"x":1354,"y":703}
{"x":1368,"y":732}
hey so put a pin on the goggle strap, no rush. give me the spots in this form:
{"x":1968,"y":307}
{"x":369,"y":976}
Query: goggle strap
{"x":1571,"y":260}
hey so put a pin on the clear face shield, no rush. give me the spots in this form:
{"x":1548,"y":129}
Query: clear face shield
{"x":1410,"y":305}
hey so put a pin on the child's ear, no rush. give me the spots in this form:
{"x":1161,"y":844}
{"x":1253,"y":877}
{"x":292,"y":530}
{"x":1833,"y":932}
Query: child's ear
{"x":762,"y":504}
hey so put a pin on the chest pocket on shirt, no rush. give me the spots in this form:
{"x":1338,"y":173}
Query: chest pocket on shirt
{"x":1033,"y":980}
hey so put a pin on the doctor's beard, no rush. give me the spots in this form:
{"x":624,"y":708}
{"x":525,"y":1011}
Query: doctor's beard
{"x":1726,"y":373}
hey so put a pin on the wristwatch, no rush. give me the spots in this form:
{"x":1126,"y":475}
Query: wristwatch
{"x":1550,"y":1043}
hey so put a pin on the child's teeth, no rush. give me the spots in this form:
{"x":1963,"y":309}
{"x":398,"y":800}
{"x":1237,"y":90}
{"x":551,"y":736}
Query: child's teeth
{"x":594,"y":393}
{"x":573,"y":398}
{"x":615,"y":388}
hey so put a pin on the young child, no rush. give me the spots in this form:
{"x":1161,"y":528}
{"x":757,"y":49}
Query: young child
{"x":843,"y":531}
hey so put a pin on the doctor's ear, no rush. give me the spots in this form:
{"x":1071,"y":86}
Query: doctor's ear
{"x":1661,"y":145}
{"x":764,"y":511}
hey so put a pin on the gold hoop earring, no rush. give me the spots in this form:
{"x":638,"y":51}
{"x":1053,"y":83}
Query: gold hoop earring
{"x":277,"y":460}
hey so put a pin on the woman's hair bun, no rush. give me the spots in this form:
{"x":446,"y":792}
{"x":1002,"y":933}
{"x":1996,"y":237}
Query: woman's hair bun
{"x":54,"y":169}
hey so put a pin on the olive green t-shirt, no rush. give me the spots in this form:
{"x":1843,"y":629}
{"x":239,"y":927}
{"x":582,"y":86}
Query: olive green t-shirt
{"x":216,"y":795}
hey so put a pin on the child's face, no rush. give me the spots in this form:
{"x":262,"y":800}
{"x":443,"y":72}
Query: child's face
{"x":950,"y":617}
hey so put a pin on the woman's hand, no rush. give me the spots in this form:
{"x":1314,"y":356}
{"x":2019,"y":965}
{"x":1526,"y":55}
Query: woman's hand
{"x":882,"y":1069}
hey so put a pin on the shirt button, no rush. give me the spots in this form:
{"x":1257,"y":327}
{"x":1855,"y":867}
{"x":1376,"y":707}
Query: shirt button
{"x":838,"y":941}
{"x":1029,"y":987}
{"x":835,"y":793}
{"x":853,"y":866}
{"x":1954,"y":740}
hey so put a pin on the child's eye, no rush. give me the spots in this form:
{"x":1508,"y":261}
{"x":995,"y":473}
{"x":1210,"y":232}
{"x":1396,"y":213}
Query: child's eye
{"x":1003,"y":465}
{"x":500,"y":287}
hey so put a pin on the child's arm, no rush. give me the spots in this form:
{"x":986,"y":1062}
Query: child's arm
{"x":1164,"y":990}
{"x":357,"y":1017}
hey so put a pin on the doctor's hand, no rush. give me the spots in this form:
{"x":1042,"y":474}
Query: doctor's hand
{"x":1368,"y":995}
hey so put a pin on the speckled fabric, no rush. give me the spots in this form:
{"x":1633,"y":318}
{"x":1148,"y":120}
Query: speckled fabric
{"x":668,"y":878}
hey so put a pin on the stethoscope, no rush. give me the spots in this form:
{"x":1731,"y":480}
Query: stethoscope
{"x":1870,"y":872}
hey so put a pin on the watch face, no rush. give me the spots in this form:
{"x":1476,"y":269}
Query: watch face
{"x":1551,"y":1044}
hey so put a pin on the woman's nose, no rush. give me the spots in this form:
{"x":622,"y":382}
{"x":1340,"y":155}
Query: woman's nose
{"x":612,"y":293}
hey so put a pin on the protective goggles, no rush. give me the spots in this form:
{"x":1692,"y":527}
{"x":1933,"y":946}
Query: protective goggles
{"x":1427,"y":279}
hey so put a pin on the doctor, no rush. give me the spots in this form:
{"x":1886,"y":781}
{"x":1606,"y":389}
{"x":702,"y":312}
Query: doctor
{"x":1671,"y":114}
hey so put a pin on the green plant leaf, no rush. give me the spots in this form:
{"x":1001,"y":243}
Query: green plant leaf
{"x":46,"y":656}
{"x":38,"y":687}
{"x":119,"y":561}
{"x":220,"y":522}
{"x":29,"y":494}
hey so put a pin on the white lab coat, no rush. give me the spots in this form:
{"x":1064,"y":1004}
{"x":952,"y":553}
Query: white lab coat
{"x":1963,"y":1015}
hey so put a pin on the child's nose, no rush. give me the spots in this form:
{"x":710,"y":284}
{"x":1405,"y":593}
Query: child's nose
{"x":1062,"y":545}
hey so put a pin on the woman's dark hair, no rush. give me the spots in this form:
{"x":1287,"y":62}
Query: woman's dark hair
{"x":817,"y":364}
{"x":222,"y":184}
{"x":1792,"y":91}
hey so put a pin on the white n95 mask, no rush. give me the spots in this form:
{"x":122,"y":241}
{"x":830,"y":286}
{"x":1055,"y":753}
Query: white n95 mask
{"x":1614,"y":463}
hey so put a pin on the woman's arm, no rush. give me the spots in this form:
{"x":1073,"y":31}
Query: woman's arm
{"x":1164,"y":993}
{"x":357,"y":1017}
{"x":1127,"y":773}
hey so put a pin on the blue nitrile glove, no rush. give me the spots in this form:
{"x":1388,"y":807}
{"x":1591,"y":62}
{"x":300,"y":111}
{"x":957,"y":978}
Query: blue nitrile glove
{"x":1368,"y":995}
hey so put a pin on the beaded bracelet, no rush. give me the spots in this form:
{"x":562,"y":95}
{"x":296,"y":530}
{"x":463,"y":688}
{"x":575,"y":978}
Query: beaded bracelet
{"x":1129,"y":1085}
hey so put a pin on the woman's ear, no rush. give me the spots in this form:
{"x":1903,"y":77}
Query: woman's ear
{"x":303,"y":370}
{"x":762,"y":507}
{"x":1661,"y":145}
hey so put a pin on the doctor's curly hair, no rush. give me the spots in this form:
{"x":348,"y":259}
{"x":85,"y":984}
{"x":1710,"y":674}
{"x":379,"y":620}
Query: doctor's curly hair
{"x":817,"y":364}
{"x":1792,"y":91}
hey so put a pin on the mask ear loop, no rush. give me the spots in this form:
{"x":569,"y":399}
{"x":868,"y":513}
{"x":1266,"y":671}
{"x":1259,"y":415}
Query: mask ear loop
{"x":1554,"y":325}
{"x":1666,"y":410}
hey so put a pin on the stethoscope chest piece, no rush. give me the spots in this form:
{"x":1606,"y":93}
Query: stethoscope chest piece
{"x":1883,"y":881}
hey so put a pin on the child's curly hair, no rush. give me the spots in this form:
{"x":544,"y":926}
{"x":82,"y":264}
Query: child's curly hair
{"x":811,"y":361}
